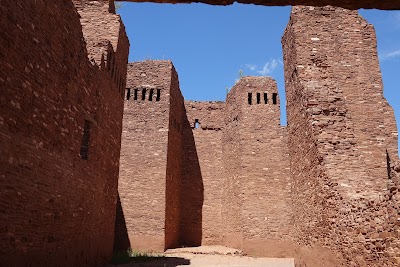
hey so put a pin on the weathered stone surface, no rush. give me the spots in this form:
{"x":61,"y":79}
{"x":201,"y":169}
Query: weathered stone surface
{"x":191,"y":172}
{"x":342,"y":136}
{"x":150,"y":169}
{"x":202,"y":173}
{"x":57,"y":189}
{"x":256,"y":186}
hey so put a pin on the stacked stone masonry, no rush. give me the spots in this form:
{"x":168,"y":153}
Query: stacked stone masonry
{"x":192,"y":173}
{"x":342,"y":137}
{"x":60,"y":135}
{"x":231,"y":177}
{"x":247,"y":182}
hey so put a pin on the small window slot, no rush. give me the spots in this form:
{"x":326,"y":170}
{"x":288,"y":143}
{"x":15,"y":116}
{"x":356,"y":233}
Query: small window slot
{"x":128,"y":93}
{"x":265,"y":98}
{"x":143,"y":94}
{"x":158,"y":94}
{"x":151,"y":94}
{"x":196,"y":124}
{"x":249,"y":97}
{"x":258,"y":98}
{"x":274,"y":98}
{"x":135,"y":94}
{"x":85,"y":141}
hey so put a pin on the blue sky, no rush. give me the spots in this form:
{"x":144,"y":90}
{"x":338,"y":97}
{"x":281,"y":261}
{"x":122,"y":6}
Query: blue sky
{"x":210,"y":45}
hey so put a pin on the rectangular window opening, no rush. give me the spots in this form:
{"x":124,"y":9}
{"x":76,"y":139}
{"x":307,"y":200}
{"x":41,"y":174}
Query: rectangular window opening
{"x":258,"y":98}
{"x":143,"y":94}
{"x":158,"y":94}
{"x":85,"y":140}
{"x":265,"y":98}
{"x":128,"y":93}
{"x":151,"y":94}
{"x":135,"y":94}
{"x":196,"y":124}
{"x":274,"y":98}
{"x":249,"y":96}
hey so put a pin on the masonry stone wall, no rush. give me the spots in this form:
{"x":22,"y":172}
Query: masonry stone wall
{"x":342,"y":138}
{"x":174,"y":164}
{"x":232,"y":161}
{"x":203,"y":173}
{"x":150,"y":155}
{"x":60,"y":139}
{"x":261,"y":182}
{"x":102,"y":28}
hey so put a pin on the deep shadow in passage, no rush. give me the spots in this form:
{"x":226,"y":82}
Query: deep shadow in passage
{"x":121,"y":239}
{"x":192,"y":190}
{"x":159,"y":262}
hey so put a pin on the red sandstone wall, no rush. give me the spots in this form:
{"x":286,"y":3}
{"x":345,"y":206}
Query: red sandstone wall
{"x":202,"y":175}
{"x":174,"y":164}
{"x":340,"y":127}
{"x":149,"y":204}
{"x":256,"y":165}
{"x":231,"y":182}
{"x":101,"y":26}
{"x":57,"y":209}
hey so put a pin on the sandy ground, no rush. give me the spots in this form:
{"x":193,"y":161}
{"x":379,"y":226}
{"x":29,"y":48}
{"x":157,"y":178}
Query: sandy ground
{"x":210,"y":256}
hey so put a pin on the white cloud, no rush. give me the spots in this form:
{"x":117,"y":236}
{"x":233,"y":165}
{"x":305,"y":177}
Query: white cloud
{"x":390,"y":55}
{"x":251,"y":67}
{"x":269,"y":67}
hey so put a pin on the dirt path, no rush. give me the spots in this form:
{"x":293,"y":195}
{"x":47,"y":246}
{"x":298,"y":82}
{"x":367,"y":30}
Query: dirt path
{"x":210,"y":256}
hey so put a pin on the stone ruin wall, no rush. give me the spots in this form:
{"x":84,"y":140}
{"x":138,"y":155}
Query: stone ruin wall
{"x":195,"y":142}
{"x":175,"y":159}
{"x":55,"y":185}
{"x":341,"y":136}
{"x":256,"y":186}
{"x":151,"y":140}
{"x":105,"y":37}
{"x":47,"y":101}
{"x":202,"y":174}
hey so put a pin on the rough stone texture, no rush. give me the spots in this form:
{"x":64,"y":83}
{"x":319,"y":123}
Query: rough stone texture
{"x":350,"y":4}
{"x":202,"y":174}
{"x":184,"y":181}
{"x":56,"y":207}
{"x":342,"y":135}
{"x":103,"y":29}
{"x":257,"y":200}
{"x":150,"y":156}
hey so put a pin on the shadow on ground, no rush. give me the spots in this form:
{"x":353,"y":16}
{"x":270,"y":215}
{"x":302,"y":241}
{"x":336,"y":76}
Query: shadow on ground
{"x":154,"y":262}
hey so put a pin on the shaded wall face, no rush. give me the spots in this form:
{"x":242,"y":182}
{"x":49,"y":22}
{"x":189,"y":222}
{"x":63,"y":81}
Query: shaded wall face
{"x":174,"y":165}
{"x":143,"y":165}
{"x":202,"y":175}
{"x":60,"y":140}
{"x":340,"y":127}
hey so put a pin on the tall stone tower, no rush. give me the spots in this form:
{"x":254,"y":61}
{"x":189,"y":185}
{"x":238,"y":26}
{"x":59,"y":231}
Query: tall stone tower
{"x":256,"y":189}
{"x":342,"y":131}
{"x":151,"y":157}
